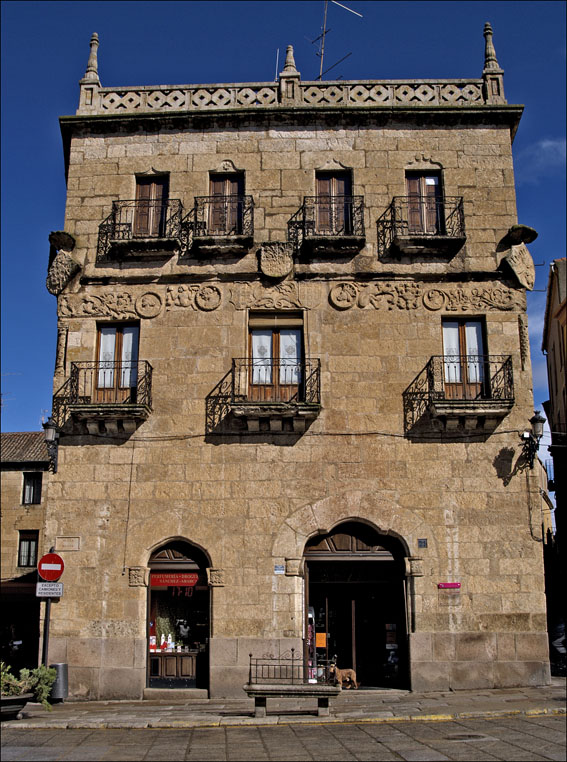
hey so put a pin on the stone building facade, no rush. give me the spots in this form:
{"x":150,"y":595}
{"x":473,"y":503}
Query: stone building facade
{"x":24,"y":465}
{"x":292,"y":366}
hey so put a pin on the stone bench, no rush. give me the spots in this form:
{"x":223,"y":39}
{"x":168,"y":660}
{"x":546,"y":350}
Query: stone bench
{"x":261,"y":692}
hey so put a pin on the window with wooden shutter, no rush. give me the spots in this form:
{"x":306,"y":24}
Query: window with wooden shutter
{"x":276,"y":354}
{"x":464,"y":358}
{"x":117,"y":362}
{"x":425,"y":203}
{"x":227,"y":191}
{"x":334,"y":203}
{"x":151,"y":206}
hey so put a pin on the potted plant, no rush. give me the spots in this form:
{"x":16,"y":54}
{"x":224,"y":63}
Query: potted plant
{"x":32,"y":685}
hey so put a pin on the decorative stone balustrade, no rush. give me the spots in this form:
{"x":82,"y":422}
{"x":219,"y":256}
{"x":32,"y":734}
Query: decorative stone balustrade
{"x":262,"y":95}
{"x":289,"y":90}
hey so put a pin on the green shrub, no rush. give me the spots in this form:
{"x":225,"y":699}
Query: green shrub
{"x":37,"y":681}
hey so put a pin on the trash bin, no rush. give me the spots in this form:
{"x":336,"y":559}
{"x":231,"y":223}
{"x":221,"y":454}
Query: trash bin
{"x":60,"y":688}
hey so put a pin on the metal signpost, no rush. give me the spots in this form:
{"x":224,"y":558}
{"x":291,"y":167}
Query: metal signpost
{"x":49,"y":568}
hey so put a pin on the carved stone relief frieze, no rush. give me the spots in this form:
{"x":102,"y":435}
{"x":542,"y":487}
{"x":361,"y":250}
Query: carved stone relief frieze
{"x":137,"y":576}
{"x":215,"y":577}
{"x":414,"y":566}
{"x":193,"y":297}
{"x":524,"y":339}
{"x":407,"y":295}
{"x":62,"y":333}
{"x":124,"y":305}
{"x":276,"y":259}
{"x":284,"y":296}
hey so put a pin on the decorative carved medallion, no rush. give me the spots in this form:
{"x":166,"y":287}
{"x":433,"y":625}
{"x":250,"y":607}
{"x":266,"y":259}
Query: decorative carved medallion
{"x":343,"y":296}
{"x":148,"y":305}
{"x":407,"y":295}
{"x":215,"y":577}
{"x":208,"y":298}
{"x":521,"y":263}
{"x":284,"y":296}
{"x":137,"y":576}
{"x":276,"y":259}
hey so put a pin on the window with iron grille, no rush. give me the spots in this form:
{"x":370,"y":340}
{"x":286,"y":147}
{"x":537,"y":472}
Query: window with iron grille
{"x":32,"y":488}
{"x":27,"y":548}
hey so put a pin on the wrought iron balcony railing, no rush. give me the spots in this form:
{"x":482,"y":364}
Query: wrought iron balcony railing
{"x":455,"y":384}
{"x":284,"y":381}
{"x":329,"y":217}
{"x":422,"y":221}
{"x":222,"y":216}
{"x":109,"y":385}
{"x":136,"y":220}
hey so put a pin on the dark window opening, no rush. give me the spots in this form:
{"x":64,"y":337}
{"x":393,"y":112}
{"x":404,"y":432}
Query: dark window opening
{"x":32,"y":488}
{"x":27,"y":548}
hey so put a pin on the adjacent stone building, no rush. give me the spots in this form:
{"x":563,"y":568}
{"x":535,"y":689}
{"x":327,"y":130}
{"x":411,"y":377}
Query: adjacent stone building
{"x":24,"y":465}
{"x":292,"y":368}
{"x":554,"y":346}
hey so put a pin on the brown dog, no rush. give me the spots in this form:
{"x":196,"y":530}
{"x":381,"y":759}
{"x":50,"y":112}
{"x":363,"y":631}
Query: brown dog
{"x":344,"y":675}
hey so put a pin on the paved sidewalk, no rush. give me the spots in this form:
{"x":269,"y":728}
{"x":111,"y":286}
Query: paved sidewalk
{"x":350,"y":707}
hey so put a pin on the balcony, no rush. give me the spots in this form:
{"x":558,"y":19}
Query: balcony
{"x":141,"y":229}
{"x":460,"y":392}
{"x":419,"y":225}
{"x":329,"y":225}
{"x":222,"y":224}
{"x":276,"y":395}
{"x":108,"y":397}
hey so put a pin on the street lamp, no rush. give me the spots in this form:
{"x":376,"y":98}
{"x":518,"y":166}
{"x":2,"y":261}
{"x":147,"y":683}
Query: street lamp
{"x":51,"y":437}
{"x":531,"y":438}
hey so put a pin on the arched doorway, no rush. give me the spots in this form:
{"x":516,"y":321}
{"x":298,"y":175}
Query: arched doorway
{"x":178,"y":617}
{"x":356,"y":604}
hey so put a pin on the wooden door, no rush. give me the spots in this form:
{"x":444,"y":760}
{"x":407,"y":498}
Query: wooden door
{"x":116,"y":374}
{"x":151,"y":206}
{"x":276,"y":362}
{"x":225,"y":216}
{"x":463,"y":351}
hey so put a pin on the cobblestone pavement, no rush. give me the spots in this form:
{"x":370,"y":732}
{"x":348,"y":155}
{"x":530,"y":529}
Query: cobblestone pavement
{"x":512,"y":738}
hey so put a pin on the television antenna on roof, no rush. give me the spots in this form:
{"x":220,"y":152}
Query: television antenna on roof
{"x":324,"y":33}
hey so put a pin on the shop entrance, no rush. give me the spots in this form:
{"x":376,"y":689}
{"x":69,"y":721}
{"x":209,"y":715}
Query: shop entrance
{"x":356,"y":605}
{"x":178,"y":617}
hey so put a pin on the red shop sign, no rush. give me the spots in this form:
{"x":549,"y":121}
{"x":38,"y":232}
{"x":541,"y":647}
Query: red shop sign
{"x":177,"y":579}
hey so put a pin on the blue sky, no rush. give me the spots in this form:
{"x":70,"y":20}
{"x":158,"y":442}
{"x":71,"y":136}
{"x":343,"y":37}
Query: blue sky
{"x":45,"y":47}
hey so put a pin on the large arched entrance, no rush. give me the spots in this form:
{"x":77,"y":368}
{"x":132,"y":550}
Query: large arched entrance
{"x":356,"y":604}
{"x":178,"y":617}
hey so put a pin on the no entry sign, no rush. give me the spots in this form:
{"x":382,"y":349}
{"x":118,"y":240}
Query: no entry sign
{"x":50,"y":567}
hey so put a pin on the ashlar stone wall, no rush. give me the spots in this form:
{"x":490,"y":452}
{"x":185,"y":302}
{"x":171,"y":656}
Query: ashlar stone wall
{"x":251,"y":501}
